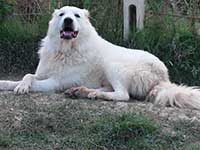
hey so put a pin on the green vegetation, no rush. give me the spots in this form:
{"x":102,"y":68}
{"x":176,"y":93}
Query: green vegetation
{"x":174,"y":44}
{"x":6,"y":8}
{"x":19,"y":45}
{"x":172,"y":39}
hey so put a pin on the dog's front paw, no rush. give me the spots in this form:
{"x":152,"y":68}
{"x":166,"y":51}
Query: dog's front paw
{"x":70,"y":93}
{"x":77,"y":92}
{"x":22,"y":88}
{"x":93,"y":95}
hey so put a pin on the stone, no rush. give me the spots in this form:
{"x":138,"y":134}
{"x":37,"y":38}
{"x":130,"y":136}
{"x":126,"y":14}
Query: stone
{"x":139,"y":16}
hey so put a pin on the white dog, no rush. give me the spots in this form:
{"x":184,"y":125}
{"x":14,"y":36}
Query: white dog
{"x":74,"y":57}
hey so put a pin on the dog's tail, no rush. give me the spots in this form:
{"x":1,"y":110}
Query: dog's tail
{"x":8,"y":85}
{"x":169,"y":94}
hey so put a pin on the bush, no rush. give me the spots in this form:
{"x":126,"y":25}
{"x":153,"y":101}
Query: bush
{"x":19,"y":45}
{"x":173,"y":43}
{"x":6,"y":8}
{"x":171,"y":39}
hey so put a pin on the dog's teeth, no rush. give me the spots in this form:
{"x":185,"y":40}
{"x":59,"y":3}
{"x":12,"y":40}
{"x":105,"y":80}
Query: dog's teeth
{"x":67,"y":33}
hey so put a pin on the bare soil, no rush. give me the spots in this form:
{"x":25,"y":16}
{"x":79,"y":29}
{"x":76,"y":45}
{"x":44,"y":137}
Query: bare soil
{"x":18,"y":111}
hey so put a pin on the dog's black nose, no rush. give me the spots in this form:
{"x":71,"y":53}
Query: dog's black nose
{"x":68,"y":21}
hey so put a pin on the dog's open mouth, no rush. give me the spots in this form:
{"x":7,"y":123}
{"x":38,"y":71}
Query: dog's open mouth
{"x":68,"y":33}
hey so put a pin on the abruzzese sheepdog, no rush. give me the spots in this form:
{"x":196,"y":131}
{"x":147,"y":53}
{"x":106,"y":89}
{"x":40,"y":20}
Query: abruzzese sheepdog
{"x":74,"y":57}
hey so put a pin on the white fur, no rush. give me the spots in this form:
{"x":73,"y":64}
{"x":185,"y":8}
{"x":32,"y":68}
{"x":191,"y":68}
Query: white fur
{"x":108,"y":71}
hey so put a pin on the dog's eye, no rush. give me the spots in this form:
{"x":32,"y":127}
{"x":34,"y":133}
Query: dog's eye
{"x":61,"y":14}
{"x":77,"y":15}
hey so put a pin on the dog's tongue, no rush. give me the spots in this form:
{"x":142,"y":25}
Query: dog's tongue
{"x":66,"y":34}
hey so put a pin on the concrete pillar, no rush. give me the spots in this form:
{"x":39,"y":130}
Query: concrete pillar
{"x":140,"y":8}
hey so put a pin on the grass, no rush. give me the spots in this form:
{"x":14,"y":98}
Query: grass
{"x":78,"y":125}
{"x":111,"y":132}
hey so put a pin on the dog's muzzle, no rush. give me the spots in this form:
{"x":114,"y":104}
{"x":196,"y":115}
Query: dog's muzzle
{"x":68,"y":31}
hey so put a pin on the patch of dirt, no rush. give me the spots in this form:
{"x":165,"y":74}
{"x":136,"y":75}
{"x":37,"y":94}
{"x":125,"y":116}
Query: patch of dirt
{"x":14,"y":107}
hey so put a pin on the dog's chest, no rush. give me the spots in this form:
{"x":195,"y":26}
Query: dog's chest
{"x":73,"y":69}
{"x":82,"y":75}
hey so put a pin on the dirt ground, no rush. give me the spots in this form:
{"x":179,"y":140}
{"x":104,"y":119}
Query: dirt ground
{"x":9,"y":102}
{"x":15,"y":106}
{"x":14,"y":109}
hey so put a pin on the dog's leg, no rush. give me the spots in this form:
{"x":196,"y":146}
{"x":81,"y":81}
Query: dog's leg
{"x":30,"y":82}
{"x":119,"y":79}
{"x":84,"y":91}
{"x":8,"y":85}
{"x":36,"y":85}
{"x":106,"y":93}
{"x":46,"y":85}
{"x":118,"y":95}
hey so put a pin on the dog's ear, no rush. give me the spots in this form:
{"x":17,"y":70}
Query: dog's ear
{"x":87,"y":13}
{"x":55,"y":12}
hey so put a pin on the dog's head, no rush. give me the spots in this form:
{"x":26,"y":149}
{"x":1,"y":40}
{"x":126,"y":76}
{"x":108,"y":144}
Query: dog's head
{"x":68,"y":22}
